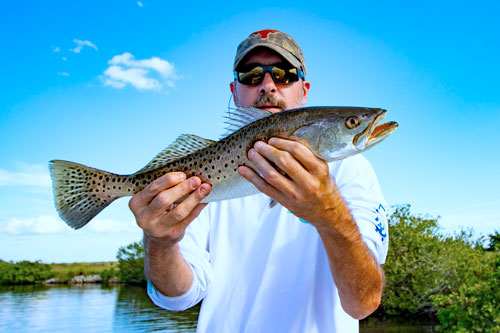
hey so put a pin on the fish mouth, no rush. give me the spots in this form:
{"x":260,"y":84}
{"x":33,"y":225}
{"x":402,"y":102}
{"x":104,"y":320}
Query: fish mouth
{"x":373,"y":134}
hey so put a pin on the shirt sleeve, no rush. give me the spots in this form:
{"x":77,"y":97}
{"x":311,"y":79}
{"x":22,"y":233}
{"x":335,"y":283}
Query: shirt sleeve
{"x":360,"y":189}
{"x":194,"y":249}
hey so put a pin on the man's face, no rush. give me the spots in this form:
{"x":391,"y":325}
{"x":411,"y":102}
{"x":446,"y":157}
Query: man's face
{"x":268,"y":95}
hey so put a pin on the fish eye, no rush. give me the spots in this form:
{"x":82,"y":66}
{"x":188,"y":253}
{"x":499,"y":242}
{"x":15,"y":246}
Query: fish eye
{"x":352,"y":122}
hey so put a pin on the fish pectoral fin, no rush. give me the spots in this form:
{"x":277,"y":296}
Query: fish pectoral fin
{"x":184,"y":145}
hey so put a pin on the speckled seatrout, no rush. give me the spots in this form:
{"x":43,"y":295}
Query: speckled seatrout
{"x":332,"y":133}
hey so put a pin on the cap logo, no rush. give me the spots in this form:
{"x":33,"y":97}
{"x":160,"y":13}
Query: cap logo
{"x":263,"y":33}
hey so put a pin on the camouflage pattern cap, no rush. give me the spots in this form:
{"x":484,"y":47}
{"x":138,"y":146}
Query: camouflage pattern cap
{"x":277,"y":41}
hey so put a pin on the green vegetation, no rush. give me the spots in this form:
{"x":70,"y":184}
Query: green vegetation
{"x":453,"y":278}
{"x":131,"y":264}
{"x":474,"y":306}
{"x":23,"y":272}
{"x":27,"y":272}
{"x":65,"y":272}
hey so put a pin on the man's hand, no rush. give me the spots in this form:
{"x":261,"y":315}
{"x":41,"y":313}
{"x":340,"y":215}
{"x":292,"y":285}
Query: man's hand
{"x":151,"y":206}
{"x":165,"y":225}
{"x":309,"y":192}
{"x":307,"y":189}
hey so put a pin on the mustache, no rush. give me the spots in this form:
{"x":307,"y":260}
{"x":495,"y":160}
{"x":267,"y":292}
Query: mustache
{"x":269,"y":99}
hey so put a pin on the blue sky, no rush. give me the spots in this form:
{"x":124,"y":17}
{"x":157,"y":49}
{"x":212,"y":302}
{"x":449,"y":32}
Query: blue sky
{"x":111,"y":83}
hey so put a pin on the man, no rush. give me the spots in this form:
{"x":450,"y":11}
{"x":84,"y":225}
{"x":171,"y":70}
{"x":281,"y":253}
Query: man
{"x":309,"y":264}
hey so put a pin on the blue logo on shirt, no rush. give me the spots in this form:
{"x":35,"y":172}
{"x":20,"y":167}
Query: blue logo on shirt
{"x":379,"y":227}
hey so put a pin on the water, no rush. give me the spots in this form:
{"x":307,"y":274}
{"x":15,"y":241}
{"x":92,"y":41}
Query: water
{"x":87,"y":308}
{"x":96,"y":308}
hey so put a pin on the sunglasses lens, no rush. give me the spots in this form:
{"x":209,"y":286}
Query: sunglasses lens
{"x":284,"y":76}
{"x":280,"y":76}
{"x":253,"y":76}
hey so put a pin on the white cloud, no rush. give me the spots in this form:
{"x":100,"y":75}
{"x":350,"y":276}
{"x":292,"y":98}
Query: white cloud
{"x":111,"y":226}
{"x":27,"y":175}
{"x":81,"y":44}
{"x":63,"y":73}
{"x":44,"y":225}
{"x":163,"y":67}
{"x":37,"y":225}
{"x":140,"y":4}
{"x":56,"y":49}
{"x":64,"y":58}
{"x":125,"y":69}
{"x":118,"y":77}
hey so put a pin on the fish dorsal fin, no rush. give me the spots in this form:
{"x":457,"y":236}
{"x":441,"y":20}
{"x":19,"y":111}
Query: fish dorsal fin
{"x":240,"y":117}
{"x":184,"y":145}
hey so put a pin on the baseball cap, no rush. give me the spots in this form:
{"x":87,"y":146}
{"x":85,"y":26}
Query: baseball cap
{"x":275,"y":40}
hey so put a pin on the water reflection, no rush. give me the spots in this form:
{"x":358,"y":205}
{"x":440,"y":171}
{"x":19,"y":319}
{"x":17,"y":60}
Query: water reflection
{"x":96,"y":308}
{"x":398,"y":325}
{"x":87,"y":308}
{"x":56,"y":309}
{"x":134,"y":309}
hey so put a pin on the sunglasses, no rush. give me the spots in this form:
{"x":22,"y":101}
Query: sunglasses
{"x":280,"y":76}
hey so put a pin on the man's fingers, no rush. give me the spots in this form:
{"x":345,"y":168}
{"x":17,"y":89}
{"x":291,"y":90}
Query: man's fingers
{"x":299,"y":151}
{"x":176,"y":221}
{"x":184,"y":209}
{"x":286,"y":162}
{"x":167,"y":197}
{"x":269,"y":173}
{"x":144,"y":197}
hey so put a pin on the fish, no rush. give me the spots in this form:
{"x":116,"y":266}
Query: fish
{"x":332,"y":133}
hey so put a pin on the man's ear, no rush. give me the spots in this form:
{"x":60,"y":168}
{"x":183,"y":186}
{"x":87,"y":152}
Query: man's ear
{"x":232,"y":86}
{"x":305,"y":89}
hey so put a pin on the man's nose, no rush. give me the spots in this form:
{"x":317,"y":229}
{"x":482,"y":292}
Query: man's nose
{"x":267,"y":85}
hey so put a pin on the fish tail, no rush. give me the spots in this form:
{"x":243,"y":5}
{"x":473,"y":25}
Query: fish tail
{"x":79,"y":191}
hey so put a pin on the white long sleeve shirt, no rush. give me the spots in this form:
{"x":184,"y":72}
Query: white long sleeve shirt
{"x":261,"y":269}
